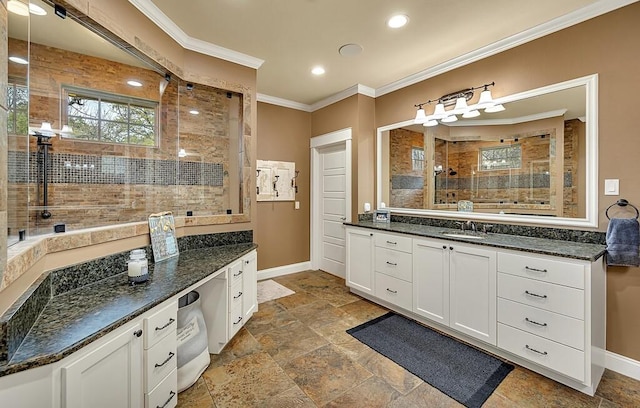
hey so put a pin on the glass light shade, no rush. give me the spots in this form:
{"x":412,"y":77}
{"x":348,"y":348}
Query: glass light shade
{"x":66,"y":129}
{"x":421,"y":116}
{"x":474,"y":113}
{"x":182,"y":153}
{"x":449,"y":119}
{"x":496,"y":108}
{"x":430,"y":123}
{"x":461,"y":106}
{"x":439,"y":112}
{"x":46,"y":126}
{"x":485,"y":100}
{"x":18,"y":8}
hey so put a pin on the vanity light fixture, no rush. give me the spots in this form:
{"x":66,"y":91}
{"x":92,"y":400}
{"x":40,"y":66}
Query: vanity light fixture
{"x":460,"y":99}
{"x":135,"y":83}
{"x":182,"y":153}
{"x":18,"y":60}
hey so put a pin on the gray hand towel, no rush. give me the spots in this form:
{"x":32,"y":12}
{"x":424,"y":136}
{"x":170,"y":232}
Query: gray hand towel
{"x":623,"y":242}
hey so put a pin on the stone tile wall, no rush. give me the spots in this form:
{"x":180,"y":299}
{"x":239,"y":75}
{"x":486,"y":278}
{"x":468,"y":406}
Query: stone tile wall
{"x":3,"y":137}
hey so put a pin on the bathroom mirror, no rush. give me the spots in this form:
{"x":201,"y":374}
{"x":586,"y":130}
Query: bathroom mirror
{"x":535,"y":162}
{"x":110,"y":136}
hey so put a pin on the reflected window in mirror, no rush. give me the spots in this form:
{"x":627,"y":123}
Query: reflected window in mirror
{"x":534,"y":162}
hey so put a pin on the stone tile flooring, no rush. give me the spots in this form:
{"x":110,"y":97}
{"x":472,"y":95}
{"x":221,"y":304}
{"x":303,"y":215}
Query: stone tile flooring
{"x":294,"y":352}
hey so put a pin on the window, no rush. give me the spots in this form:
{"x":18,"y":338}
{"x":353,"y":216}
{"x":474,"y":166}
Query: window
{"x":417,"y":158}
{"x":103,"y":117}
{"x":18,"y":113}
{"x":501,"y":158}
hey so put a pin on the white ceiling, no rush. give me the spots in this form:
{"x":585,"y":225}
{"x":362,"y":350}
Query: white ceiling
{"x":292,"y":36}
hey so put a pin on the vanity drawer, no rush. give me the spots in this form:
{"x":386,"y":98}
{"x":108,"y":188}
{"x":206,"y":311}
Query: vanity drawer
{"x":165,"y":394}
{"x":394,"y":290}
{"x":556,"y":356}
{"x":394,"y":263}
{"x":235,"y":296}
{"x":235,"y":273}
{"x":390,"y":241}
{"x":552,"y":326}
{"x":160,"y":324}
{"x":547,"y":296}
{"x":159,"y":361}
{"x":236,"y":317}
{"x":542,"y":268}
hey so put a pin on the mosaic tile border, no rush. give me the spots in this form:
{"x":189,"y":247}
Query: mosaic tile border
{"x":67,"y":168}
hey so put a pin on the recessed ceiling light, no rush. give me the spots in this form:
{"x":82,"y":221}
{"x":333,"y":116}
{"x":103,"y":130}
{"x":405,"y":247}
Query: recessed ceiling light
{"x":350,"y":50}
{"x":194,"y":112}
{"x":397,"y":21}
{"x":18,"y":8}
{"x":37,"y":10}
{"x":317,"y":71}
{"x":18,"y":60}
{"x":134,"y":83}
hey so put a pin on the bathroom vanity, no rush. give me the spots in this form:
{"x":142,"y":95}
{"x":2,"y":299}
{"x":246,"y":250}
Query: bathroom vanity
{"x":537,"y":302}
{"x":112,"y":344}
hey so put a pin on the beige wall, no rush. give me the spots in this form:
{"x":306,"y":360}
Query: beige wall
{"x":282,"y":232}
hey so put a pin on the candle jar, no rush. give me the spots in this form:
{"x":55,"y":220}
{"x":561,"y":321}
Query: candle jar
{"x":138,"y":266}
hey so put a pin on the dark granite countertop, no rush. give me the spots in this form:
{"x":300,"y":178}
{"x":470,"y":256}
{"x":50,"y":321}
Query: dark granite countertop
{"x":566,"y":249}
{"x":74,"y":319}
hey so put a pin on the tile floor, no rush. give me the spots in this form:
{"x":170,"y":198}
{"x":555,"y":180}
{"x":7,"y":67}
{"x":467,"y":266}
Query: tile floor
{"x":294,"y":352}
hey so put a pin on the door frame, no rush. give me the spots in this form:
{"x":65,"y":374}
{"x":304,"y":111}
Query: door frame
{"x":342,"y":136}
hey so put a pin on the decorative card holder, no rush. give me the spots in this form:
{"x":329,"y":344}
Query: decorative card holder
{"x":162,"y":229}
{"x":382,"y":215}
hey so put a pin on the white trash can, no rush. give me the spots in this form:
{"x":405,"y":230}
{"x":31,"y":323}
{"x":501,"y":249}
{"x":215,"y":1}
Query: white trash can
{"x":193,"y":350}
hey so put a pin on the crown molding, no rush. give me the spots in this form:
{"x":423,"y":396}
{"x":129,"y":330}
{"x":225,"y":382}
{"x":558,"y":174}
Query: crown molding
{"x":274,"y":100}
{"x":153,"y":13}
{"x":356,"y":89}
{"x":593,"y":10}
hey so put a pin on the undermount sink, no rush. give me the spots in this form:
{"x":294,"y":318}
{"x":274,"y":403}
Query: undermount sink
{"x":463,"y":235}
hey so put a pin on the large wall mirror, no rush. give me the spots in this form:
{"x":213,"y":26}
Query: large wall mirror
{"x":534,"y":162}
{"x":99,"y":134}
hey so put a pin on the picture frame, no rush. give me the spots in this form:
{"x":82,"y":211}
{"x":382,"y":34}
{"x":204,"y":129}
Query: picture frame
{"x":162,"y":230}
{"x":382,"y":215}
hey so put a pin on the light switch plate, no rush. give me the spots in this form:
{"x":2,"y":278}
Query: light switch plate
{"x":612,"y":187}
{"x":297,"y":205}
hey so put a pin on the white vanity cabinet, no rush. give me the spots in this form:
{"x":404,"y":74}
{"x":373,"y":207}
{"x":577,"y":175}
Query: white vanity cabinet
{"x":109,"y":374}
{"x":359,"y":271}
{"x":455,"y":285}
{"x":546,"y":313}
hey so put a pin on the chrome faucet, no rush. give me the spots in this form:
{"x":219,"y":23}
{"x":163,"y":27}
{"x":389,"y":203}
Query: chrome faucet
{"x":471,"y":225}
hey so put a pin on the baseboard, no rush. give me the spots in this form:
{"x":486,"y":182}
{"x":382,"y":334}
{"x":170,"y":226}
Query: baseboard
{"x":623,"y":365}
{"x":283,"y":270}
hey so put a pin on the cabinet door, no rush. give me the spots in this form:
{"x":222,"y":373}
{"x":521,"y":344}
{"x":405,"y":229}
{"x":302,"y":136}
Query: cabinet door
{"x":360,"y":260}
{"x":473,"y":292}
{"x":109,"y":375}
{"x":431,"y":280}
{"x":250,"y":284}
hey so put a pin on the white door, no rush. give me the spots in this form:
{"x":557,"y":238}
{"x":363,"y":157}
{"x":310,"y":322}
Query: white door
{"x":333,"y":211}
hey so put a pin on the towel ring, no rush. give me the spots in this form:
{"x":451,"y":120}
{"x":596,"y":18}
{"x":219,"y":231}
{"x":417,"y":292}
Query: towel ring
{"x":622,"y":203}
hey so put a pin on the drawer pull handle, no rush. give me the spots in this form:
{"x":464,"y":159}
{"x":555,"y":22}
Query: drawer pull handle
{"x":534,"y":322}
{"x":536,"y":269}
{"x":535,"y":295}
{"x":238,"y":296}
{"x":391,"y":263}
{"x":171,"y":320}
{"x":171,"y":354}
{"x":171,"y":395}
{"x":544,"y":353}
{"x":137,"y":333}
{"x":392,"y":291}
{"x":239,"y":320}
{"x":392,"y":243}
{"x":235,"y":275}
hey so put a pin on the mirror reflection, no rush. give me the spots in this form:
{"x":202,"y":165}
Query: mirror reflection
{"x":98,"y":136}
{"x":528,"y":160}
